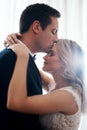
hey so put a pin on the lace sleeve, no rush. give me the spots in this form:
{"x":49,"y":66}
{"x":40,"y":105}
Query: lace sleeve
{"x":75,"y":93}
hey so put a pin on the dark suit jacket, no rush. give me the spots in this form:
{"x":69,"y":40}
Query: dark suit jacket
{"x":11,"y":120}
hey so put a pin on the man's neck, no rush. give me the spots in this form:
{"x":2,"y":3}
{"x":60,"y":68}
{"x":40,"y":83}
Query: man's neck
{"x":28,"y":42}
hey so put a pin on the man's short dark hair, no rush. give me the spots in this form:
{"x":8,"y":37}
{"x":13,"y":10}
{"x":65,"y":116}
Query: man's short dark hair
{"x":41,"y":12}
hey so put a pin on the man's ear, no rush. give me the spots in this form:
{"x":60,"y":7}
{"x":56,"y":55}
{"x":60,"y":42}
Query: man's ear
{"x":36,"y":26}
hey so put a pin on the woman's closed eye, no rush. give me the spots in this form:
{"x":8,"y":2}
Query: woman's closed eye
{"x":51,"y":53}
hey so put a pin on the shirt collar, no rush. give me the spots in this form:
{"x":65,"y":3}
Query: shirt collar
{"x":30,"y":52}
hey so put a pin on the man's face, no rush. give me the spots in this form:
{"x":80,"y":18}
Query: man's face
{"x":48,"y":36}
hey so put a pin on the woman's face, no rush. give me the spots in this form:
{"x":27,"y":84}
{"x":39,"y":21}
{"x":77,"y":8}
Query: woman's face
{"x":52,"y":62}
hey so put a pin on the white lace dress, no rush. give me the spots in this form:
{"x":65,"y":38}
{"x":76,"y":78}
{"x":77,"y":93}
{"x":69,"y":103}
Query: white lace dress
{"x":60,"y":121}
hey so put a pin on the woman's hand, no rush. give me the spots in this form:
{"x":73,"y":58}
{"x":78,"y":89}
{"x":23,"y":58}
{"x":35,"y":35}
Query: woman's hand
{"x":12,"y":39}
{"x":20,"y":49}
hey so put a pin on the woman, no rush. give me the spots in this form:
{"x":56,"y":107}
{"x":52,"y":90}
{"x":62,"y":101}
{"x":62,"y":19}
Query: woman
{"x":60,"y":109}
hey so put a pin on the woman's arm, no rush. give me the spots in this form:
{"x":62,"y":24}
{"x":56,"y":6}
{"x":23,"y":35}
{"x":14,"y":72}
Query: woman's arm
{"x":17,"y":81}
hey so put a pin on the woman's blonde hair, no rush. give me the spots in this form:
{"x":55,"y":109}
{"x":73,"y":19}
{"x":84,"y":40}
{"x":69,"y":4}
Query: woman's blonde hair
{"x":72,"y":57}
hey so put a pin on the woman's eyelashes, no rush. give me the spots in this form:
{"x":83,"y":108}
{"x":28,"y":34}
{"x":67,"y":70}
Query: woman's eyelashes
{"x":51,"y":53}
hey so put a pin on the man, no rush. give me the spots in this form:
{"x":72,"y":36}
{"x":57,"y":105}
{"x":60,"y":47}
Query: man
{"x":38,"y":26}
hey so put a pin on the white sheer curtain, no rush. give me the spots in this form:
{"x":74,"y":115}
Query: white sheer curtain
{"x":72,"y":24}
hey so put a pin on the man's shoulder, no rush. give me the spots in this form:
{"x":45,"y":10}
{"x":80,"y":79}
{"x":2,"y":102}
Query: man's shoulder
{"x":7,"y":56}
{"x":6,"y":51}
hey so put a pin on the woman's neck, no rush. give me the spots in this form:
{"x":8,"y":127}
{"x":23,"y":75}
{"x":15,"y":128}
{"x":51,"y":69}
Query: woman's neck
{"x":60,"y":81}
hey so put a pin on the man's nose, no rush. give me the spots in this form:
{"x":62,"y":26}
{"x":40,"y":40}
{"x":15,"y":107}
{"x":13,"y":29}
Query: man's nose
{"x":56,"y":41}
